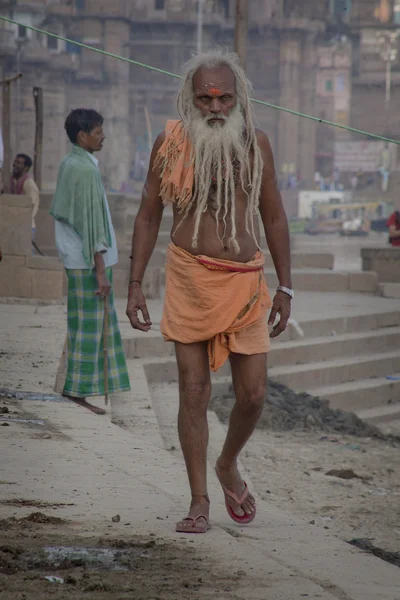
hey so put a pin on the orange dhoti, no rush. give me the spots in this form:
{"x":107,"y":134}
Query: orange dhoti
{"x":218,"y":301}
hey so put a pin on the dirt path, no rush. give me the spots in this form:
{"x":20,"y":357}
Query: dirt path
{"x":43,"y":560}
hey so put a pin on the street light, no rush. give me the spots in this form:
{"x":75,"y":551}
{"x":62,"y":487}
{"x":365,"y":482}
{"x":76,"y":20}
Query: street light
{"x":200,"y":9}
{"x":388,"y":51}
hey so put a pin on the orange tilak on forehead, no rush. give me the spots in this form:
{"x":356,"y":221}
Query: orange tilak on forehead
{"x":214,"y":91}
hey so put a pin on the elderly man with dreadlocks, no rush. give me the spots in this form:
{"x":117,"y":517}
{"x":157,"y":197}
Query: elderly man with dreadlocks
{"x":218,"y":173}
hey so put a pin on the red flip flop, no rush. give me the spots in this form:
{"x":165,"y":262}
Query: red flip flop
{"x":241,"y":519}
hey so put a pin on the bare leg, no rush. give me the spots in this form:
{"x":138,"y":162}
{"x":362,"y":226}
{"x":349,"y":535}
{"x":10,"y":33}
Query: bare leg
{"x":249,"y":376}
{"x":194,"y":397}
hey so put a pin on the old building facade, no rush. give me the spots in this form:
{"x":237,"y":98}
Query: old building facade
{"x":315,"y":57}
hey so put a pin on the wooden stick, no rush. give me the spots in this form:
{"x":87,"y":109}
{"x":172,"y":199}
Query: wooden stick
{"x":38,"y":152}
{"x":105,"y":349}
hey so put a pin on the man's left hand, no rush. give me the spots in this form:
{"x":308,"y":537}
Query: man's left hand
{"x":281,"y":305}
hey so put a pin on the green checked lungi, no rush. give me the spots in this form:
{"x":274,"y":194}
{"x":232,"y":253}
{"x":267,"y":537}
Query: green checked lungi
{"x":85,"y":374}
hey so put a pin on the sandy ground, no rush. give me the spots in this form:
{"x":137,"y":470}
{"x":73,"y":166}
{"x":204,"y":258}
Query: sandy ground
{"x":290,"y":470}
{"x":324,"y":465}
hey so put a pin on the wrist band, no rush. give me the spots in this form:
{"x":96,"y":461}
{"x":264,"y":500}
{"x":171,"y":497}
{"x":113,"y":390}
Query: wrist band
{"x":135,"y":281}
{"x":285,"y":290}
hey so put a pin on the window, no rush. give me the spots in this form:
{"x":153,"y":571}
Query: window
{"x":328,"y":85}
{"x":225,"y":4}
{"x":159,"y":4}
{"x":22,"y":34}
{"x":80,"y":4}
{"x":73,"y":48}
{"x":340,"y":83}
{"x":52,"y":43}
{"x":341,"y":9}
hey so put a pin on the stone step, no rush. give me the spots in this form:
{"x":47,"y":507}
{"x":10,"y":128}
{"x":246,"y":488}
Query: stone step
{"x":390,"y":290}
{"x":300,"y":378}
{"x":380,"y":414}
{"x":322,"y":335}
{"x":316,"y":280}
{"x":341,"y":325}
{"x":327,"y":348}
{"x":310,"y":279}
{"x":317,"y":374}
{"x":361,"y":394}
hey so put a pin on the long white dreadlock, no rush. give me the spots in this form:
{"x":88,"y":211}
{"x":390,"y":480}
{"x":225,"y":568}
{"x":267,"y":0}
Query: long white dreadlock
{"x":241,"y":144}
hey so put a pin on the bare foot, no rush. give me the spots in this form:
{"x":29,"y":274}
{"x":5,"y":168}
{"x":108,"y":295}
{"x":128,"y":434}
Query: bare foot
{"x":230,"y":478}
{"x":195,"y":522}
{"x":85,"y":404}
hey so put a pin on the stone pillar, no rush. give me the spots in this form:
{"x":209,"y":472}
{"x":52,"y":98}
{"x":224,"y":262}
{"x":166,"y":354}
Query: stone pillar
{"x":117,"y":107}
{"x":307,"y":128}
{"x":290,"y":52}
{"x":55,"y":143}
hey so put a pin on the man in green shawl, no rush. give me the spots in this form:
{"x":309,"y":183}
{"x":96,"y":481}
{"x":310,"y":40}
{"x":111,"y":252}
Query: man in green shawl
{"x":86,"y":243}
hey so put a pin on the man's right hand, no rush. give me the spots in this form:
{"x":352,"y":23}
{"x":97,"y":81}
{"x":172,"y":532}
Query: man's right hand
{"x":103,"y":284}
{"x":136,"y":302}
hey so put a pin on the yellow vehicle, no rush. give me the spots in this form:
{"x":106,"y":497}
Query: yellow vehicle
{"x":346,"y":218}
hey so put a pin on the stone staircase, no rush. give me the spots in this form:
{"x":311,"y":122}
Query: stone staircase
{"x":354,"y":362}
{"x":347,"y":359}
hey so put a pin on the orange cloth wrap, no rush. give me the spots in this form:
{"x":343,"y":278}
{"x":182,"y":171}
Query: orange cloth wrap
{"x":219,"y":301}
{"x":175,"y":159}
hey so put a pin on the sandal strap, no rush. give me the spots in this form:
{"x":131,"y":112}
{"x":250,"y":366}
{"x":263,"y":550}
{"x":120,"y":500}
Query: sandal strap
{"x":232,"y":494}
{"x":199,"y":517}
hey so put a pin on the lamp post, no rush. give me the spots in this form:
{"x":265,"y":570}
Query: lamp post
{"x":200,"y":12}
{"x":388,"y":51}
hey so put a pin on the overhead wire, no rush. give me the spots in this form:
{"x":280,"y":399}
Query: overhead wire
{"x":176,"y":76}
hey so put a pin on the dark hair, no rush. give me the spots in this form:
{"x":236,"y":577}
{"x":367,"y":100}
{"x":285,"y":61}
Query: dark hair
{"x":82,"y":119}
{"x":27,"y":159}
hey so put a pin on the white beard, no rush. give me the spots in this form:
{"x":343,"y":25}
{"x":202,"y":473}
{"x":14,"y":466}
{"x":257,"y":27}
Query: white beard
{"x":214,"y":148}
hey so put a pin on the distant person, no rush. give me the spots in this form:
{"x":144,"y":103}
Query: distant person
{"x":87,"y":246}
{"x":317,"y":180}
{"x":393,"y":223}
{"x":22,"y":183}
{"x":354,"y":182}
{"x":336,"y":178}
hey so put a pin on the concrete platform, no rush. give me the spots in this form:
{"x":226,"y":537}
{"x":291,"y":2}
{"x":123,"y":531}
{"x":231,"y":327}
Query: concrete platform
{"x":129,"y":472}
{"x":128,"y":467}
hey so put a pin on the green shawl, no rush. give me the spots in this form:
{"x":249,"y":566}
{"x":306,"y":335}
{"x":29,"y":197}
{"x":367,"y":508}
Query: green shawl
{"x":79,"y":201}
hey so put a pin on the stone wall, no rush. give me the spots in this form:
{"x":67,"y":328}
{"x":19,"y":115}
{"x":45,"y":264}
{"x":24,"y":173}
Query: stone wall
{"x":43,"y":277}
{"x":21,"y":274}
{"x":384,"y":261}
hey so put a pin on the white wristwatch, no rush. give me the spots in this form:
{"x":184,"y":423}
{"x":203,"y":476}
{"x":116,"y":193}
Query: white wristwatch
{"x":285,"y":290}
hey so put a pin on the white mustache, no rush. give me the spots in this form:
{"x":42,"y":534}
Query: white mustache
{"x":220,"y":116}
